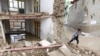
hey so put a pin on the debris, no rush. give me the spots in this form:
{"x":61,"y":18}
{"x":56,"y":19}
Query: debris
{"x":44,"y":43}
{"x":55,"y":53}
{"x":86,"y":52}
{"x":64,"y":49}
{"x":23,"y":53}
{"x":54,"y":42}
{"x":28,"y":43}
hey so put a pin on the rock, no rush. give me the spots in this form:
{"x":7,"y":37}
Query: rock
{"x":92,"y":55}
{"x":77,"y":51}
{"x":28,"y":43}
{"x":64,"y":49}
{"x":80,"y":55}
{"x":90,"y":52}
{"x":86,"y":52}
{"x":44,"y":43}
{"x":55,"y":53}
{"x":23,"y":53}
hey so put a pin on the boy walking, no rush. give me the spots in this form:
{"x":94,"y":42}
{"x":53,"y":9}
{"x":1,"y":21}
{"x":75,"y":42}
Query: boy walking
{"x":76,"y":36}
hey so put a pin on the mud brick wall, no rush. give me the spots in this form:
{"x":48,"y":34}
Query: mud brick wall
{"x":58,"y":17}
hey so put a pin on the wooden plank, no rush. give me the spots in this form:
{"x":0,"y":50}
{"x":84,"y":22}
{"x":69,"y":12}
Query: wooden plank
{"x":2,"y":30}
{"x":23,"y":17}
{"x":31,"y":47}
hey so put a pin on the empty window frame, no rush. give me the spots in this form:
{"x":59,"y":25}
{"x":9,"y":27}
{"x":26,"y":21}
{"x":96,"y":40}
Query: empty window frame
{"x":21,"y":4}
{"x":14,"y":5}
{"x":17,"y":24}
{"x":36,"y":5}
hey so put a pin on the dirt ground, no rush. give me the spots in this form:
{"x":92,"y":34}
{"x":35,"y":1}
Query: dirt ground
{"x":88,"y":42}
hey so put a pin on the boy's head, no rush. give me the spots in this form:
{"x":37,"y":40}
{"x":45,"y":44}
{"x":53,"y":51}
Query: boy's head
{"x":79,"y":29}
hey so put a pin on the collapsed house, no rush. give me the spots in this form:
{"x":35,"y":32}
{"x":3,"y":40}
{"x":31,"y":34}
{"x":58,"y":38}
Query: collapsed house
{"x":26,"y":18}
{"x":32,"y":20}
{"x":29,"y":20}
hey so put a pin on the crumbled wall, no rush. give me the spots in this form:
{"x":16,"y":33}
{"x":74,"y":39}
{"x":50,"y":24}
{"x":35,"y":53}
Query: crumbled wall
{"x":58,"y":18}
{"x":46,"y":23}
{"x":52,"y":27}
{"x":85,"y":14}
{"x":76,"y":13}
{"x":93,"y":10}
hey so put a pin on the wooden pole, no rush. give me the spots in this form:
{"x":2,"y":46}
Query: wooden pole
{"x":2,"y":30}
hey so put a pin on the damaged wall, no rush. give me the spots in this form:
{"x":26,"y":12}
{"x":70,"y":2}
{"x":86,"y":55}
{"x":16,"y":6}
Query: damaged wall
{"x":52,"y":27}
{"x":85,"y":14}
{"x":93,"y":16}
{"x":47,"y":28}
{"x":93,"y":10}
{"x":76,"y":13}
{"x":46,"y":6}
{"x":46,"y":24}
{"x":58,"y":18}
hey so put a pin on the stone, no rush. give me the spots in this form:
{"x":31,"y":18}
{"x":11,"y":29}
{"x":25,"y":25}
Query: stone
{"x":92,"y":55}
{"x":55,"y":53}
{"x":86,"y":52}
{"x":77,"y":51}
{"x":90,"y":52}
{"x":28,"y":43}
{"x":23,"y":53}
{"x":54,"y":42}
{"x":44,"y":43}
{"x":64,"y":49}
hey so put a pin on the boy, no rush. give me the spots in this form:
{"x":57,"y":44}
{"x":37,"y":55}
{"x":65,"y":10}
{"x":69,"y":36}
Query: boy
{"x":76,"y":36}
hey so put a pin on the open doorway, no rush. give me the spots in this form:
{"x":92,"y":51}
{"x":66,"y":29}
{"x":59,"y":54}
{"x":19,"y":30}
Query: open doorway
{"x":32,"y":29}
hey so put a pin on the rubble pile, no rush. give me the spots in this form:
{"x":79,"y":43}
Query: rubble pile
{"x":46,"y":50}
{"x":72,"y":50}
{"x":2,"y":44}
{"x":79,"y":51}
{"x":19,"y":49}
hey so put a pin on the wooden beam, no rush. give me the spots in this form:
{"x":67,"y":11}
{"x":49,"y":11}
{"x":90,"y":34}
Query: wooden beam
{"x":2,"y":30}
{"x":32,"y":47}
{"x":23,"y":17}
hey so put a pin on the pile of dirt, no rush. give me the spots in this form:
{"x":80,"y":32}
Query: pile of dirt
{"x":63,"y":50}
